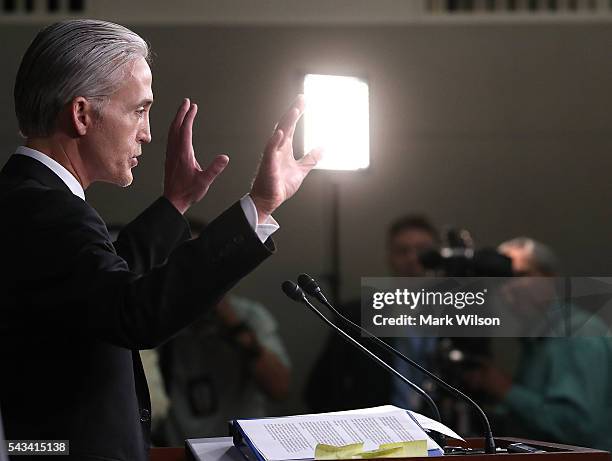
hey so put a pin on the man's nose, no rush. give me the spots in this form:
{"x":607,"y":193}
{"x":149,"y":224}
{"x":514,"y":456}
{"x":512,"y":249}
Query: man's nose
{"x":145,"y":134}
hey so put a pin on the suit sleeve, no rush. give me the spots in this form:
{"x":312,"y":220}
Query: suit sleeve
{"x":149,"y":239}
{"x":84,"y":288}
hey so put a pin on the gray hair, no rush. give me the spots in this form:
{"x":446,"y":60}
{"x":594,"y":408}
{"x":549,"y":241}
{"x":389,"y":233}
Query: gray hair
{"x":82,"y":57}
{"x":542,"y":256}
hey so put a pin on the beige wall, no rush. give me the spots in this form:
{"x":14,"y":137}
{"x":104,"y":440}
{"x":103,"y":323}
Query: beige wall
{"x":504,"y":130}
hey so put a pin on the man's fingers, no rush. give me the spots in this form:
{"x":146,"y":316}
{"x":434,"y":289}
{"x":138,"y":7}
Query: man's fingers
{"x":299,"y":104}
{"x":274,"y":141}
{"x":214,"y":169}
{"x":289,"y":120}
{"x":293,"y":123}
{"x":311,"y":158}
{"x":187,"y":126}
{"x":180,"y":115}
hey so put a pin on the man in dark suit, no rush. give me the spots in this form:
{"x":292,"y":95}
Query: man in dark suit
{"x":76,"y":308}
{"x":3,"y":455}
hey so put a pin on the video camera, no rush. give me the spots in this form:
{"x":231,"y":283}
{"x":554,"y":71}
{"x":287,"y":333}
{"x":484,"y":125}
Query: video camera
{"x":458,"y":258}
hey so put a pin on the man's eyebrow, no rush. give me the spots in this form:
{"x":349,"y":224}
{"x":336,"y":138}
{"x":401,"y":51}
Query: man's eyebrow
{"x":145,"y":102}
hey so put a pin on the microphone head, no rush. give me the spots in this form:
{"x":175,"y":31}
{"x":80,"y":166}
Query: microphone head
{"x":309,"y":285}
{"x":292,"y":290}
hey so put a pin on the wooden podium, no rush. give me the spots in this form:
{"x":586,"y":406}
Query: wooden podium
{"x":554,"y":452}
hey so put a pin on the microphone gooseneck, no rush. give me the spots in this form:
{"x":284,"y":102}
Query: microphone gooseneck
{"x":310,"y":286}
{"x":293,"y":291}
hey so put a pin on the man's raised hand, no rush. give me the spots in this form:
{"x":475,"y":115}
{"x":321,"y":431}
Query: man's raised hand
{"x":279,"y":175}
{"x":185,"y":182}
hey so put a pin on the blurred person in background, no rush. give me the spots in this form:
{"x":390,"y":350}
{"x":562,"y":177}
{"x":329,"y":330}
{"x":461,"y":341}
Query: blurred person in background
{"x":342,"y":378}
{"x":407,"y":239}
{"x":562,"y":388}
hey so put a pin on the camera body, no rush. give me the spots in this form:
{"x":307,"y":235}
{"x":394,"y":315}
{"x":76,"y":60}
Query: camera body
{"x":458,"y":258}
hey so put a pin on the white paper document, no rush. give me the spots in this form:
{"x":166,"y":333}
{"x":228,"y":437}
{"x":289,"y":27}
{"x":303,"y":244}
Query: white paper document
{"x":425,"y":422}
{"x":295,"y":437}
{"x":433,"y":425}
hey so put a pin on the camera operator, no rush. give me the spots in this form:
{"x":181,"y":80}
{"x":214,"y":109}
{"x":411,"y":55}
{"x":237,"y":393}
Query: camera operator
{"x":340,"y":378}
{"x":562,"y":388}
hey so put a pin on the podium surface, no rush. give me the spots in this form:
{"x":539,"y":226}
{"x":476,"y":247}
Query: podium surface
{"x":553,"y":452}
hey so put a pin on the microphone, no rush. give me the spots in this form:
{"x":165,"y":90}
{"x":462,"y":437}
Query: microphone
{"x":310,"y":285}
{"x":294,"y":292}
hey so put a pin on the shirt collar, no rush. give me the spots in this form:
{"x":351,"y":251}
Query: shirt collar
{"x":58,"y":169}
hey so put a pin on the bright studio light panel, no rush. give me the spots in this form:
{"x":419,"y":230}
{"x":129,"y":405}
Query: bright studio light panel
{"x":337,"y":118}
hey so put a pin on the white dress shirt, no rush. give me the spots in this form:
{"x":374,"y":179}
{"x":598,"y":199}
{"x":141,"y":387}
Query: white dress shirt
{"x":58,"y":169}
{"x":263,"y":230}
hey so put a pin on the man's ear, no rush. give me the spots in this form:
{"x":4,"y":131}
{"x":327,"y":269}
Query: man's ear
{"x":82,"y":115}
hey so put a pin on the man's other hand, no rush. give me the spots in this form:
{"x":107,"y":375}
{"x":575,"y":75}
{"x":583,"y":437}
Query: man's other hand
{"x":185,"y":182}
{"x":279,"y":175}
